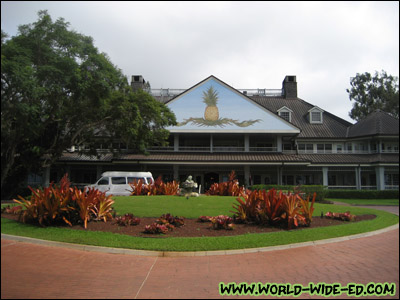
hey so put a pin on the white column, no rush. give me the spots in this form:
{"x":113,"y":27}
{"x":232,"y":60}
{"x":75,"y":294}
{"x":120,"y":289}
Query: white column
{"x":279,"y":143}
{"x":358,"y":178}
{"x":176,"y":142}
{"x":325,"y":176}
{"x":246,"y":143}
{"x":279,"y":174}
{"x":380,"y":178}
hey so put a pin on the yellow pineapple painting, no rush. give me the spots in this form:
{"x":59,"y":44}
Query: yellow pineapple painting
{"x":211,"y":114}
{"x":210,"y":98}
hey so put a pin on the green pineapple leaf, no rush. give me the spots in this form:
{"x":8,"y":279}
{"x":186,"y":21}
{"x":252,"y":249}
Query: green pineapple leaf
{"x":210,"y":98}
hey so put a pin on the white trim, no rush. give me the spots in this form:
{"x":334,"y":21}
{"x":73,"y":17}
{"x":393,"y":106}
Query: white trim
{"x":231,"y":131}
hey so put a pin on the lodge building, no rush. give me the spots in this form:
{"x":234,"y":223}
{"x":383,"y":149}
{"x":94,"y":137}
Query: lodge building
{"x":266,"y":136}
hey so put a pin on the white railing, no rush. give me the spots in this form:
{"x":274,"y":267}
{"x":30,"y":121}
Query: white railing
{"x":263,"y":149}
{"x":166,"y":92}
{"x":247,"y":92}
{"x":262,"y":92}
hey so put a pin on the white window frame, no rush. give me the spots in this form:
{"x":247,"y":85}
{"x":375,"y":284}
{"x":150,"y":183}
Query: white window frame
{"x":285,"y":109}
{"x":320,"y":112}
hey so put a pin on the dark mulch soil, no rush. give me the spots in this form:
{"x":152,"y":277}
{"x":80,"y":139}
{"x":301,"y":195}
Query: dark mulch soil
{"x":192,"y":228}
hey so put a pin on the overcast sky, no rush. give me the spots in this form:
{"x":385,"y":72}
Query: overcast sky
{"x":245,"y":44}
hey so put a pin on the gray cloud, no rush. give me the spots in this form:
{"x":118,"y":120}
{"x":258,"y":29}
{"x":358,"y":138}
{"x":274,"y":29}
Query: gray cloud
{"x":245,"y":44}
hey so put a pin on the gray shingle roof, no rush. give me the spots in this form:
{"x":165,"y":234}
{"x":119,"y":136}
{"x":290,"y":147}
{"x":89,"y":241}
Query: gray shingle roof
{"x":239,"y":158}
{"x":376,"y":123}
{"x":332,"y":126}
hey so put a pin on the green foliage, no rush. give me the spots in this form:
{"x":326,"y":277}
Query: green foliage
{"x":58,"y":90}
{"x":362,"y":194}
{"x":210,"y":98}
{"x":370,"y":93}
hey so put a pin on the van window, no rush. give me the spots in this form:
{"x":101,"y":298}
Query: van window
{"x":103,"y":181}
{"x":118,"y":180}
{"x":135,"y":179}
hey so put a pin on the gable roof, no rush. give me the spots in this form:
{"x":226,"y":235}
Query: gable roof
{"x":236,"y":112}
{"x":376,"y":123}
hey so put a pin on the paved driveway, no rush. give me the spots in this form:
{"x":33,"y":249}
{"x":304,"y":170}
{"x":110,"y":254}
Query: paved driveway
{"x":36,"y":271}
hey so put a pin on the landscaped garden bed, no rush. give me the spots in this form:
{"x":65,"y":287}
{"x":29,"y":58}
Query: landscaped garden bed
{"x":193,"y":228}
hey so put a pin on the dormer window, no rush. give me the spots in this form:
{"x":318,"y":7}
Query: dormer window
{"x":316,"y":115}
{"x":285,"y":113}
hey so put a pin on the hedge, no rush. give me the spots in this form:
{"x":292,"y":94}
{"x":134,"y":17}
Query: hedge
{"x":307,"y":189}
{"x":362,"y":194}
{"x":323,"y":192}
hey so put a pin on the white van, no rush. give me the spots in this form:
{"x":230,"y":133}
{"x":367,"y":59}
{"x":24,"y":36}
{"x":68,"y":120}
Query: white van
{"x":117,"y":183}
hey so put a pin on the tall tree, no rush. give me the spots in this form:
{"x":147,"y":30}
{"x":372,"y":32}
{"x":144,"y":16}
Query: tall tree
{"x":370,"y":93}
{"x":58,"y":90}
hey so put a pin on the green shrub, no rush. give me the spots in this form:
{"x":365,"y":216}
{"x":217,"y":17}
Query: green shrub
{"x":308,"y":190}
{"x":362,"y":194}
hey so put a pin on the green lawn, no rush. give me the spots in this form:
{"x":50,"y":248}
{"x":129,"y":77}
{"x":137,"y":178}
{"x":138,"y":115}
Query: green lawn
{"x":368,"y":201}
{"x":193,"y":208}
{"x":155,"y":206}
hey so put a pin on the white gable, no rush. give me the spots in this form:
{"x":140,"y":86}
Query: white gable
{"x":234,"y":112}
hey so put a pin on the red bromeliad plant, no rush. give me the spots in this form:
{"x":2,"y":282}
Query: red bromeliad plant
{"x":48,"y":205}
{"x":204,"y":219}
{"x":247,"y":208}
{"x":169,"y":219}
{"x":229,"y":188}
{"x":347,"y":216}
{"x":292,"y":209}
{"x":222,"y":222}
{"x":158,"y":228}
{"x":158,"y":187}
{"x":272,"y":206}
{"x":127,"y":220}
{"x":138,"y":188}
{"x":307,"y":209}
{"x":102,"y":207}
{"x":64,"y":203}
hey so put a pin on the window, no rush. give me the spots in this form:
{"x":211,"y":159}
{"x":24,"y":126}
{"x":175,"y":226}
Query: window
{"x":103,"y":181}
{"x":285,"y":113}
{"x":307,"y":148}
{"x":118,"y":180}
{"x":316,"y":115}
{"x":287,"y":146}
{"x":339,"y":148}
{"x":324,"y":148}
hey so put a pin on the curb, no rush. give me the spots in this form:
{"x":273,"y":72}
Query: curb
{"x":193,"y":253}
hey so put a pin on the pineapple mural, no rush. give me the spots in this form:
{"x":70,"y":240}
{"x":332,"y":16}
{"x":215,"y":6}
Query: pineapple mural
{"x":211,"y":114}
{"x":210,"y":98}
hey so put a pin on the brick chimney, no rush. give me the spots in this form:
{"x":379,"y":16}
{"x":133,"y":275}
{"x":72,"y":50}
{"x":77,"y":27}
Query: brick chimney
{"x":137,"y":82}
{"x":289,"y":87}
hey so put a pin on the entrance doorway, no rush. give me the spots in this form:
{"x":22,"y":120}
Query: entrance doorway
{"x":209,"y":179}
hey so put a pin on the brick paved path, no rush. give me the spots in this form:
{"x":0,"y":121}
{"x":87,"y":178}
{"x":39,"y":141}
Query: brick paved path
{"x":35,"y":271}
